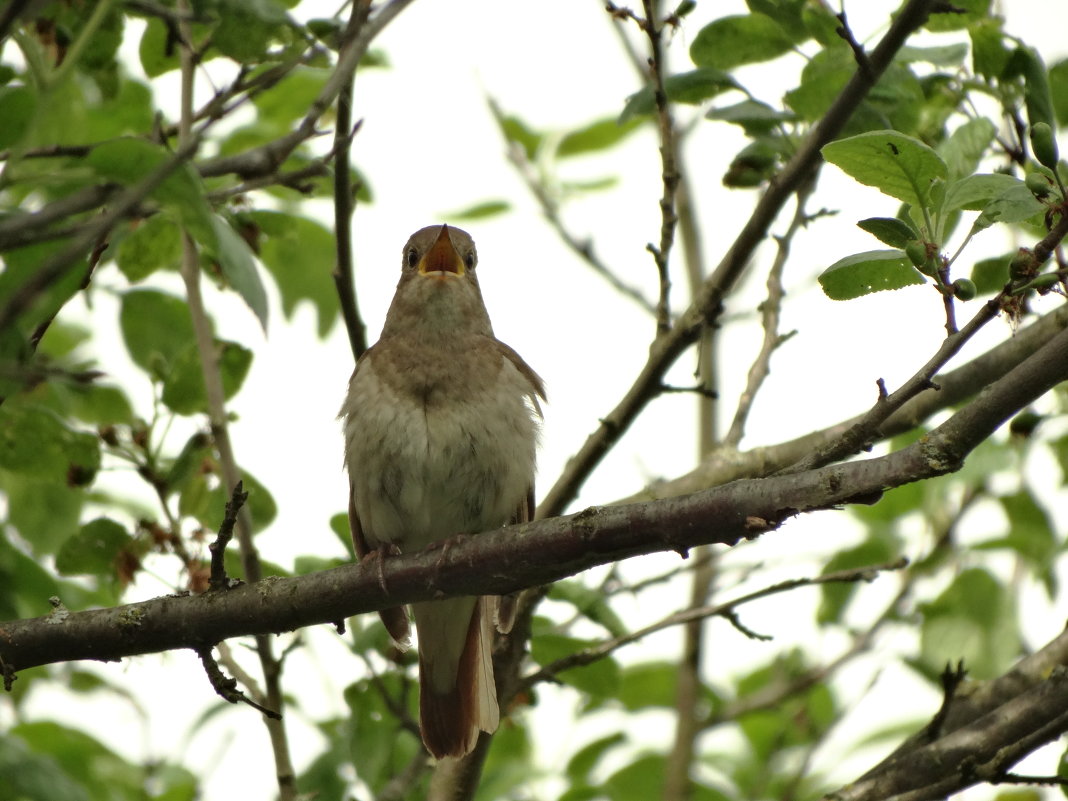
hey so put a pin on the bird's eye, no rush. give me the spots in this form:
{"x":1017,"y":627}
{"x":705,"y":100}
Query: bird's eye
{"x":469,"y":261}
{"x":412,"y":257}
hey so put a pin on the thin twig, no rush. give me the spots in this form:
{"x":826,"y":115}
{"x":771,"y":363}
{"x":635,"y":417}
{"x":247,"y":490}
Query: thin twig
{"x":345,"y":204}
{"x":219,"y":580}
{"x":550,"y":208}
{"x":216,"y":403}
{"x":770,"y":311}
{"x":597,"y":652}
{"x":669,"y":174}
{"x":706,"y":307}
{"x":861,"y":434}
{"x":227,"y":687}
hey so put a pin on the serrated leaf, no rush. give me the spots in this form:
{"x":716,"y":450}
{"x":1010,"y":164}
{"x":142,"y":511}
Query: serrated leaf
{"x":895,"y":164}
{"x":889,"y":230}
{"x":734,"y":40}
{"x":871,"y":271}
{"x":93,"y":549}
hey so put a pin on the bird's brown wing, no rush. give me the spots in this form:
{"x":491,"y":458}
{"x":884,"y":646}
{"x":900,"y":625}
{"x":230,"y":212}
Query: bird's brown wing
{"x":395,"y":619}
{"x":507,"y":605}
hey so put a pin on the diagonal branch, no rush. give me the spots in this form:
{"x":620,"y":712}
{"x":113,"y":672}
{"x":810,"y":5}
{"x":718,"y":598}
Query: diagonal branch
{"x":706,"y":307}
{"x":503,"y":561}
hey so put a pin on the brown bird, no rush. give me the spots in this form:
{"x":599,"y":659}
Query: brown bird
{"x":441,"y":426}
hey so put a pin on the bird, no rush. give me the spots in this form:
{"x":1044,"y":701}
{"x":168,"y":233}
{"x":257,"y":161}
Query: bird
{"x":441,"y":427}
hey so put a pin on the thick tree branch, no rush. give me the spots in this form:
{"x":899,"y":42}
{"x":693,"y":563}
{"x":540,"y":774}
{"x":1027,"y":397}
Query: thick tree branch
{"x":985,"y":732}
{"x":955,"y":386}
{"x":509,"y":559}
{"x":706,"y":307}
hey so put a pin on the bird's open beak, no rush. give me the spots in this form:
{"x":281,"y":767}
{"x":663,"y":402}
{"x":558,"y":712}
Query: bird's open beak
{"x":442,"y":259}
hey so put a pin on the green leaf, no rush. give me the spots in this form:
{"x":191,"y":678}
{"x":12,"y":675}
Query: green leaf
{"x":32,"y":776}
{"x":18,"y":106}
{"x":289,"y":101}
{"x":157,"y":51}
{"x":517,"y":131}
{"x":44,"y":511}
{"x":156,"y":328}
{"x":1012,"y":205}
{"x":690,"y":88}
{"x":590,"y":603}
{"x":582,"y":763}
{"x":480,"y":211}
{"x":598,"y":135}
{"x":836,"y":597}
{"x":1037,"y":94}
{"x":871,"y":271}
{"x":183,"y":386}
{"x":238,"y":267}
{"x":129,"y":160}
{"x":1030,"y":534}
{"x":1058,"y":84}
{"x":732,"y":41}
{"x":34,"y":441}
{"x":895,"y":164}
{"x":951,"y":55}
{"x":822,"y":80}
{"x":754,"y":117}
{"x":990,"y":275}
{"x":640,"y":780}
{"x":93,"y":549}
{"x":963,"y":149}
{"x":156,"y":244}
{"x":600,"y":679}
{"x":648,"y":684}
{"x":974,"y":619}
{"x":889,"y":230}
{"x":339,"y":524}
{"x":976,"y":191}
{"x":990,"y":56}
{"x":300,"y":254}
{"x":964,"y":13}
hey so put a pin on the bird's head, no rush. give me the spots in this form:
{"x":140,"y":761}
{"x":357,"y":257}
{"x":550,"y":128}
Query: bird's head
{"x":438,"y":289}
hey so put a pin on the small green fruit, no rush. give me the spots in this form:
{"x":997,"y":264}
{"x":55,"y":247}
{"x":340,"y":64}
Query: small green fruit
{"x":1022,"y":265}
{"x":964,"y":289}
{"x":1038,"y":184}
{"x":1044,"y":145}
{"x":917,"y":253}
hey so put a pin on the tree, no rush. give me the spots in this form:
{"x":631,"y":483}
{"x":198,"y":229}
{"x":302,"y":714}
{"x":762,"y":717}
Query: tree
{"x":955,"y":514}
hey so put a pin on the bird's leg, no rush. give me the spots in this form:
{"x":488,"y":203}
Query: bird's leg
{"x":378,"y":556}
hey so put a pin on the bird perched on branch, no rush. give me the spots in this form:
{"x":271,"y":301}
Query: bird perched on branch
{"x":441,"y":425}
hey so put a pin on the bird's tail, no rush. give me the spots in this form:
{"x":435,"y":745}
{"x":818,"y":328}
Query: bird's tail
{"x":457,"y":696}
